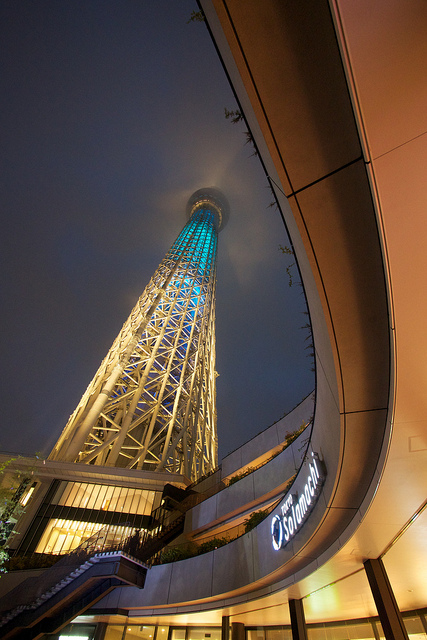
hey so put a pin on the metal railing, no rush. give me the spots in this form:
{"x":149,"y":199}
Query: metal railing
{"x":33,"y":591}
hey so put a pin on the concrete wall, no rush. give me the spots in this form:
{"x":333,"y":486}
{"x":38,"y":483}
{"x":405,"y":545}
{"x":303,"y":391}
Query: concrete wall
{"x":242,"y":494}
{"x":268,"y":439}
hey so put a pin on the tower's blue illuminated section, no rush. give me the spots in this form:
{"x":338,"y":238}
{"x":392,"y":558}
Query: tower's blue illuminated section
{"x":152,"y":403}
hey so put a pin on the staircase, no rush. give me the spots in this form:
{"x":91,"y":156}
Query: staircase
{"x":75,"y":583}
{"x":152,"y":546}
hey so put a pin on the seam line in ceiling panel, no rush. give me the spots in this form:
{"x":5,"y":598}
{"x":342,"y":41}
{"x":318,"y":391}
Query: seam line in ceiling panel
{"x":399,"y":146}
{"x":327,"y":175}
{"x":404,"y":529}
{"x":348,"y":413}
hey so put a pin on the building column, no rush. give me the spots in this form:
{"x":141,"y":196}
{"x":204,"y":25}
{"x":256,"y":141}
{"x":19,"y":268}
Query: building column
{"x":100,"y":631}
{"x":389,"y":614}
{"x":237,"y":631}
{"x":225,"y":628}
{"x":299,"y":629}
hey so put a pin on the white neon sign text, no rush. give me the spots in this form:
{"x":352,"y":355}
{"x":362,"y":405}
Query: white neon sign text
{"x":296,"y":508}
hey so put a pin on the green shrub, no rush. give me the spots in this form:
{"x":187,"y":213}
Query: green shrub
{"x":254,"y":519}
{"x":36,"y":561}
{"x":289,"y":483}
{"x":174,"y":554}
{"x":212,"y":544}
{"x":290,"y":437}
{"x":239,"y":476}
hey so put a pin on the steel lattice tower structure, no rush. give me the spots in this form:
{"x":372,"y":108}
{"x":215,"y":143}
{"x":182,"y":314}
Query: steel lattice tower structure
{"x":152,"y":402}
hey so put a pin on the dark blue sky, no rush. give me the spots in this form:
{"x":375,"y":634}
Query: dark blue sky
{"x":112,"y":114}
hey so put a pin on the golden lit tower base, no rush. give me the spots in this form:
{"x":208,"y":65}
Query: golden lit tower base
{"x":152,"y":402}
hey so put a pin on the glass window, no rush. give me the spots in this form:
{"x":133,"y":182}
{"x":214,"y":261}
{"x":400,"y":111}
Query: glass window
{"x":278,"y":634}
{"x":178,"y":633}
{"x":92,"y":496}
{"x":126,"y":500}
{"x":162,"y":633}
{"x":144,"y":632}
{"x":62,"y":536}
{"x":59,"y":491}
{"x":414,"y":628}
{"x":360,"y":631}
{"x":77,"y":632}
{"x":136,"y":497}
{"x":68,"y":487}
{"x":341,"y":631}
{"x":114,"y":632}
{"x":337,"y":632}
{"x":26,"y":496}
{"x":74,"y":495}
{"x":96,"y":497}
{"x":255,"y":634}
{"x":316,"y":633}
{"x":108,"y":501}
{"x":202,"y":633}
{"x":104,"y":497}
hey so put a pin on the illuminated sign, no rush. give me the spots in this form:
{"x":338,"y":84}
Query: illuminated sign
{"x":297,"y":505}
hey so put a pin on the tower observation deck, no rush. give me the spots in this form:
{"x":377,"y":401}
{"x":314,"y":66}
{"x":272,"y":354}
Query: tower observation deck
{"x":152,"y":402}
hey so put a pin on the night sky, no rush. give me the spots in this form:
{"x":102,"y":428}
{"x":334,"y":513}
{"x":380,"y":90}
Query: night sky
{"x":112,"y":114}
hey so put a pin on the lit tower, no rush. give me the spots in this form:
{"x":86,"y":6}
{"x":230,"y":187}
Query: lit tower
{"x":152,"y":402}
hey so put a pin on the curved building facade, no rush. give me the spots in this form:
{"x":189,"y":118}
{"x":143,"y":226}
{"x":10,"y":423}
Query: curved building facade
{"x":332,"y":94}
